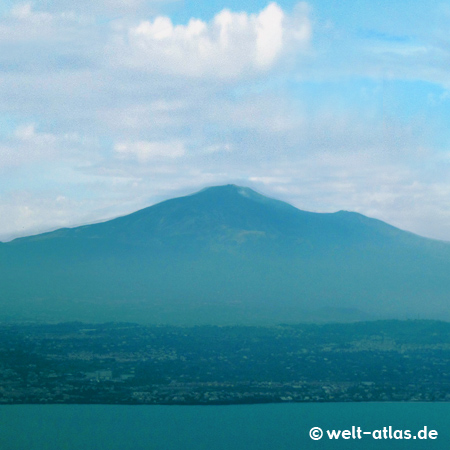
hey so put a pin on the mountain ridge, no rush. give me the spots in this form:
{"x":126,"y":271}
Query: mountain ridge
{"x":226,"y":255}
{"x":227,"y":189}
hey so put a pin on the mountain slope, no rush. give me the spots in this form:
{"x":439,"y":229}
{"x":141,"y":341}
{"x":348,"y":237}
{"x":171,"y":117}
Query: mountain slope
{"x":226,"y":255}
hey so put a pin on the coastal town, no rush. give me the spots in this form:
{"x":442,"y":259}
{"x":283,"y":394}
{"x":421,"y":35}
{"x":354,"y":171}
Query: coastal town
{"x":120,"y":363}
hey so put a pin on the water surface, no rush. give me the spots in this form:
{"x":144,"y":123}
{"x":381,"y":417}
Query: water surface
{"x":244,"y":427}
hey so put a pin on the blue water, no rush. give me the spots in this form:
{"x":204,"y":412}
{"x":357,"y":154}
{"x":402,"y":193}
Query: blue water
{"x":247,"y":427}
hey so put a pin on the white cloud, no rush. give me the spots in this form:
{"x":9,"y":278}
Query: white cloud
{"x":27,"y":134}
{"x":145,"y":150}
{"x":45,"y":209}
{"x":269,"y":35}
{"x":103,"y":8}
{"x":24,"y":12}
{"x":27,"y":146}
{"x":231,"y":45}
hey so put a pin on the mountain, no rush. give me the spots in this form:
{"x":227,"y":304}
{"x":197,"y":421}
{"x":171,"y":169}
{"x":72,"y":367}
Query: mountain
{"x":225,"y":255}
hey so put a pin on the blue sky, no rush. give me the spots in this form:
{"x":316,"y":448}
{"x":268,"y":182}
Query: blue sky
{"x":111,"y":106}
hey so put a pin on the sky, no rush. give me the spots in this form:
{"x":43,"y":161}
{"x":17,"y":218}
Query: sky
{"x":110,"y":106}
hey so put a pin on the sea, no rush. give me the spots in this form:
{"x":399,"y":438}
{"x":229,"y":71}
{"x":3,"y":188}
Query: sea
{"x":235,"y":427}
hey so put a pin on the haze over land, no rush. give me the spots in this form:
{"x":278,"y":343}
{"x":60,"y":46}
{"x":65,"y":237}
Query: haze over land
{"x":225,"y":255}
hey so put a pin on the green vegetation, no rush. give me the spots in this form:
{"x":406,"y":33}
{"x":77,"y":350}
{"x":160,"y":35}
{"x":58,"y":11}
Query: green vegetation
{"x":127,"y":363}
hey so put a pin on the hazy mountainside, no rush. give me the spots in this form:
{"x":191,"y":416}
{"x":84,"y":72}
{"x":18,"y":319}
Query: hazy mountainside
{"x":226,"y":255}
